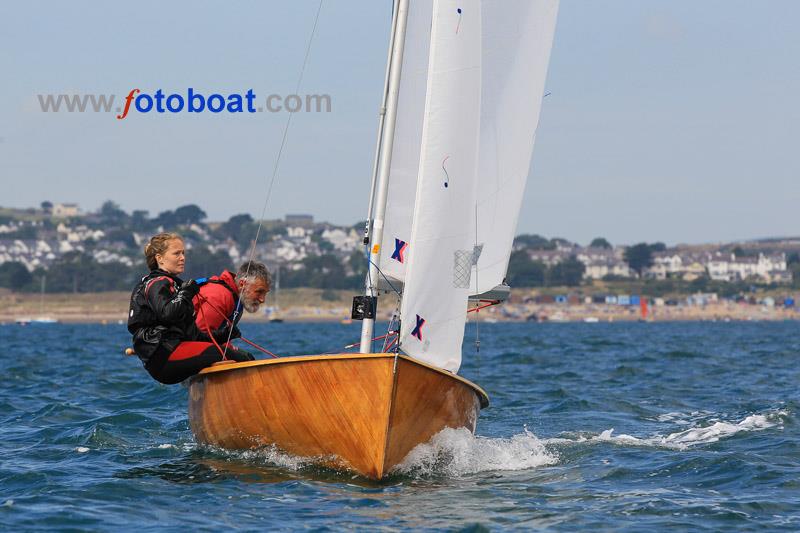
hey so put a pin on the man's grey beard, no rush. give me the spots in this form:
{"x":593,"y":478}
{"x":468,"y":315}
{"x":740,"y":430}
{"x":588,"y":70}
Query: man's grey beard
{"x":251,"y":306}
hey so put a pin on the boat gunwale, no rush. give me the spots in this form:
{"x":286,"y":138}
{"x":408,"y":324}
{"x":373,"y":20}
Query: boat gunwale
{"x":484,"y":397}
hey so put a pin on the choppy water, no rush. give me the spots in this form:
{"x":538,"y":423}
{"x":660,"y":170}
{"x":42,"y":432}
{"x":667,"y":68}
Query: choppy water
{"x":609,"y":426}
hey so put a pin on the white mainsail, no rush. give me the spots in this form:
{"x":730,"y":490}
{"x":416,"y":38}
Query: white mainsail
{"x":517,"y":38}
{"x":470,"y":95}
{"x":440,"y":252}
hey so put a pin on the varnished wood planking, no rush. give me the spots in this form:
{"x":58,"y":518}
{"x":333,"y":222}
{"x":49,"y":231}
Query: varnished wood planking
{"x":311,"y":409}
{"x":322,"y":405}
{"x":425,"y":402}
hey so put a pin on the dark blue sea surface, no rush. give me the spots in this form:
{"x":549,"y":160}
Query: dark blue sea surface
{"x":636,"y":426}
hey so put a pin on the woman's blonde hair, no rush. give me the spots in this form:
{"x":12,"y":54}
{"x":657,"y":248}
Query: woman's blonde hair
{"x":158,"y":245}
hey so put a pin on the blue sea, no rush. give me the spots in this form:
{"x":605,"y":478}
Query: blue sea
{"x":622,"y":426}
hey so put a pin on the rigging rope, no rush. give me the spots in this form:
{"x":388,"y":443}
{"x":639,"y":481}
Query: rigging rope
{"x":230,"y":322}
{"x":278,"y":157}
{"x":477,"y":304}
{"x":208,"y":328}
{"x":399,"y":294}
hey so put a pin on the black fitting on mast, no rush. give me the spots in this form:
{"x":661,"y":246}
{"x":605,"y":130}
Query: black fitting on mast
{"x":364,"y":307}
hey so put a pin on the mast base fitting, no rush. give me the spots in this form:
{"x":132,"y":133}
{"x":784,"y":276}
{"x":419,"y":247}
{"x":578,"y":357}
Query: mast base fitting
{"x":364,"y":307}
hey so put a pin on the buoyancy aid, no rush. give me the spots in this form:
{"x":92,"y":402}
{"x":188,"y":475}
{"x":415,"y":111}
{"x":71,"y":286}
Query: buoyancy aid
{"x":218,"y":302}
{"x":161,"y":315}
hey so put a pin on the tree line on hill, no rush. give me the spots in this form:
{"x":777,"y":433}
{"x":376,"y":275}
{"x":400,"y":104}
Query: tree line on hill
{"x":80,"y":272}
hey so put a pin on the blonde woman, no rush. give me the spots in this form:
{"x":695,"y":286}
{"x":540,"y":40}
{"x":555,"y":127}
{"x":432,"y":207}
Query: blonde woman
{"x":162,"y":320}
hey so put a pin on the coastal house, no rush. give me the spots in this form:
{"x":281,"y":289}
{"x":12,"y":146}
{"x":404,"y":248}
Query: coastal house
{"x":66,"y":210}
{"x":284,"y":251}
{"x":548,"y":257}
{"x":674,"y":265}
{"x":598,"y":269}
{"x":78,"y":233}
{"x":31,"y":253}
{"x":693,"y":271}
{"x":665,"y":265}
{"x":343,"y":241}
{"x":300,"y":220}
{"x":763,"y":267}
{"x":601,"y":262}
{"x":298,"y":232}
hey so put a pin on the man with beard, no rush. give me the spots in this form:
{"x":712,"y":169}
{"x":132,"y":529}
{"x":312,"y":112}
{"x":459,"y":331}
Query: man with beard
{"x":218,"y":306}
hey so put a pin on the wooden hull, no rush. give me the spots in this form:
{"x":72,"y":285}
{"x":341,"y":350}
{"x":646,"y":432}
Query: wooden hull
{"x":356,"y":411}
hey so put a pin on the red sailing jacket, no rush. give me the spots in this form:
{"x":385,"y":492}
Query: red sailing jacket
{"x":218,"y":298}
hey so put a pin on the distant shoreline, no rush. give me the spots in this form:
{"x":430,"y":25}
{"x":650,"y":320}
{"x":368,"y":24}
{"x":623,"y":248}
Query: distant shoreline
{"x":316,"y":305}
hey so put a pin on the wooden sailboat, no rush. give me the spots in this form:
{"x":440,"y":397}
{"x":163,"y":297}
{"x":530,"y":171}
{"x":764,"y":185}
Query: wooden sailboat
{"x":462,"y":97}
{"x":362,"y":412}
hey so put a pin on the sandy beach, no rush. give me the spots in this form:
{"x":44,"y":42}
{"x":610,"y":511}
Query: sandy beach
{"x":319,"y":305}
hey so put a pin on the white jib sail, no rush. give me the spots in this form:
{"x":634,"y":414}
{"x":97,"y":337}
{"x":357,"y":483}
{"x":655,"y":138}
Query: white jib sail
{"x":441,"y":247}
{"x":517,"y":36}
{"x":407,"y":142}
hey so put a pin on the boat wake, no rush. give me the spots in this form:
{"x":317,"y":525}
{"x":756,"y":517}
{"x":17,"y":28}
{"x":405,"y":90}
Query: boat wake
{"x":266,"y":456}
{"x":701,"y":432}
{"x":455,"y":452}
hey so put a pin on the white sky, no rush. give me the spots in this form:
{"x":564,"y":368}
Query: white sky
{"x":674,"y":121}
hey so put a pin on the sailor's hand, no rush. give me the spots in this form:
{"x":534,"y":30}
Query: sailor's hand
{"x":189,"y":289}
{"x":221,"y":334}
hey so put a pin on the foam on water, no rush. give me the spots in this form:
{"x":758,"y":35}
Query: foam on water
{"x":704,"y":433}
{"x":451,"y":452}
{"x":268,"y":455}
{"x":683,"y":419}
{"x":455,"y":452}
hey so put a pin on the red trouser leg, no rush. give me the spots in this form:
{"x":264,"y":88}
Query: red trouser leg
{"x":190,"y":357}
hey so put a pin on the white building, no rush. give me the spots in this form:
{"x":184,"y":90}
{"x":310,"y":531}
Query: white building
{"x":602,"y":262}
{"x":345,"y":241}
{"x":735,"y":268}
{"x":66,"y":210}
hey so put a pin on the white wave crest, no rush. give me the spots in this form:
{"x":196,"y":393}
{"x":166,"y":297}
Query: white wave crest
{"x":694,"y":436}
{"x":268,"y":455}
{"x":455,"y":452}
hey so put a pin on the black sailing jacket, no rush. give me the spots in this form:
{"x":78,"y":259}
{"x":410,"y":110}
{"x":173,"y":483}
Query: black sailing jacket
{"x":161,"y":316}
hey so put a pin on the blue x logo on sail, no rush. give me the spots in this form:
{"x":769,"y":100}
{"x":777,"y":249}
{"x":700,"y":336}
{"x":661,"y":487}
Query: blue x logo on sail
{"x":417,"y":332}
{"x":399,"y":249}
